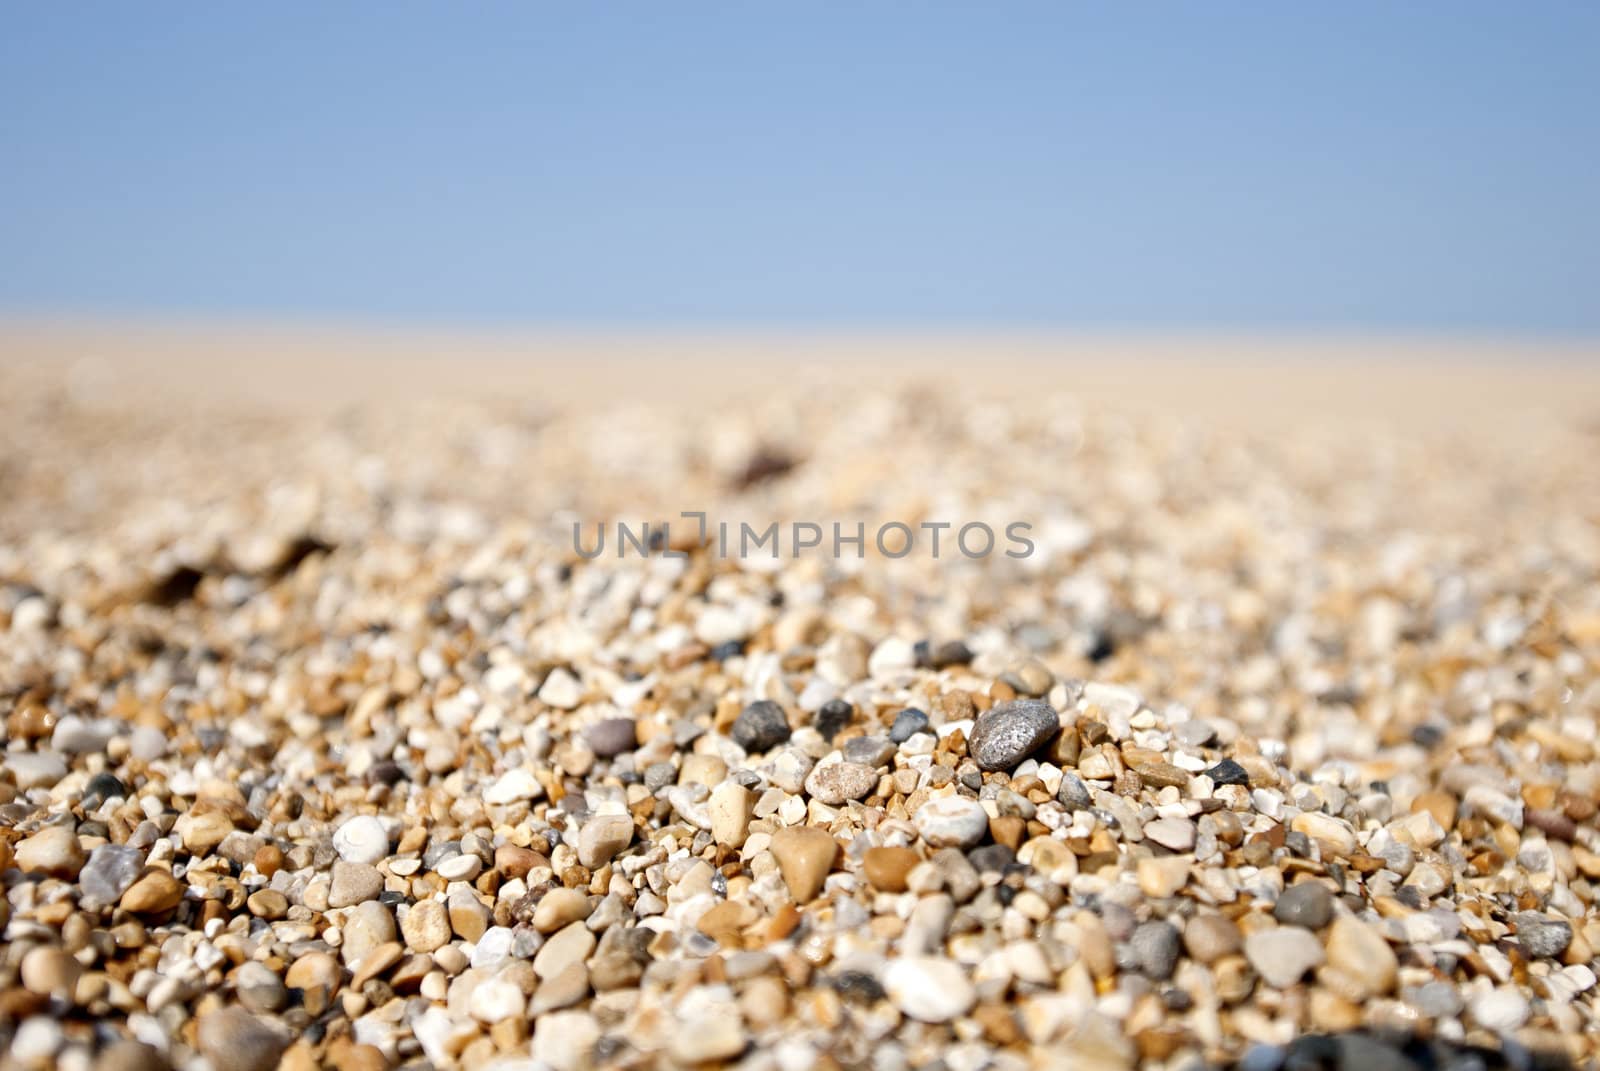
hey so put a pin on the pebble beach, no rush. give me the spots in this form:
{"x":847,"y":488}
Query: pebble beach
{"x":325,"y":745}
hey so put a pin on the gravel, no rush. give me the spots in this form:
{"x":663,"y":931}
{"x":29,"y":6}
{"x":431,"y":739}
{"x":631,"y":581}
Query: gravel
{"x":324,"y":748}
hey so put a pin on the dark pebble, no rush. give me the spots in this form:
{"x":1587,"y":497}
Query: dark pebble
{"x":761,"y":726}
{"x":612,"y":737}
{"x":724,"y":651}
{"x":835,"y":715}
{"x":1228,"y":772}
{"x":385,"y":773}
{"x":991,"y":858}
{"x":1308,"y":904}
{"x":908,"y":723}
{"x":102,"y":787}
{"x":857,"y":986}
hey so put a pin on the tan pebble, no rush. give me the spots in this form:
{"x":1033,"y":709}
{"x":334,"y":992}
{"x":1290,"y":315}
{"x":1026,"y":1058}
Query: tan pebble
{"x":730,"y":806}
{"x":201,"y":833}
{"x":1160,"y":878}
{"x":1360,"y":953}
{"x":602,"y":837}
{"x":130,"y":1055}
{"x":1050,"y":857}
{"x":268,"y":904}
{"x":1162,"y":774}
{"x":764,"y":1002}
{"x":570,"y":945}
{"x":426,"y":926}
{"x":1335,"y":836}
{"x":50,"y":972}
{"x":1332,"y":1012}
{"x":515,"y":862}
{"x":152,"y":894}
{"x":312,"y":970}
{"x":468,"y":915}
{"x":1440,"y":804}
{"x":886,"y":868}
{"x":560,"y":907}
{"x":805,"y":855}
{"x":563,"y":990}
{"x":53,"y":850}
{"x":1210,"y":937}
{"x":374,"y":963}
{"x":725,"y":922}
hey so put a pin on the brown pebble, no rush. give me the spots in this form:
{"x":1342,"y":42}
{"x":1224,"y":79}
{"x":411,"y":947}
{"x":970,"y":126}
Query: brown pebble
{"x":269,"y":904}
{"x":268,"y":860}
{"x":886,"y":868}
{"x":152,"y":894}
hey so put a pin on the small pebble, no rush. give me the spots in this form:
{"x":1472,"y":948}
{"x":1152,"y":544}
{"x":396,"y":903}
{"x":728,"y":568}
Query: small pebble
{"x":761,"y":726}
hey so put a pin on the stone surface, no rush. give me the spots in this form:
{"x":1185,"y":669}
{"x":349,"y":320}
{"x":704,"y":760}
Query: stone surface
{"x":425,"y":926}
{"x":887,"y":868}
{"x":1175,"y":834}
{"x":1542,"y":938}
{"x":354,"y":883}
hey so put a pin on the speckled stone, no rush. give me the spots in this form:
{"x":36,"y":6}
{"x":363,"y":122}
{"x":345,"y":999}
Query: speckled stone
{"x":1008,"y":733}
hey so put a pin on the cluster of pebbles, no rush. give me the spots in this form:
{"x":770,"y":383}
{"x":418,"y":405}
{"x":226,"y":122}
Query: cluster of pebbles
{"x":324,"y":748}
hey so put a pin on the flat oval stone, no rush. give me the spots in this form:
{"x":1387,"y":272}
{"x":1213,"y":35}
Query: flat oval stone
{"x":1008,"y":733}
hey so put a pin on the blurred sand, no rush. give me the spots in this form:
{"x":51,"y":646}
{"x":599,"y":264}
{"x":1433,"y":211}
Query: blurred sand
{"x":1257,"y":380}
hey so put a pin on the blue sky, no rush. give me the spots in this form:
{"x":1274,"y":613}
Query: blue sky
{"x":1360,"y":166}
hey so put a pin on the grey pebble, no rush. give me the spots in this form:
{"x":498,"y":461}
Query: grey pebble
{"x":111,"y":869}
{"x":908,"y":723}
{"x":1308,"y":904}
{"x":1155,"y":947}
{"x":1008,"y":733}
{"x":871,"y":751}
{"x":1073,"y":793}
{"x":1542,"y":938}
